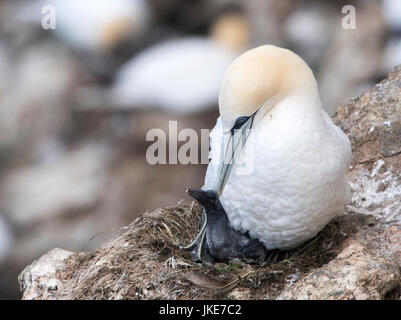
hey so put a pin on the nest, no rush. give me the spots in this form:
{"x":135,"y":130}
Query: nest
{"x":145,"y":262}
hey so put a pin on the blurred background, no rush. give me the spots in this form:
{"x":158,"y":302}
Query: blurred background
{"x":77,"y":101}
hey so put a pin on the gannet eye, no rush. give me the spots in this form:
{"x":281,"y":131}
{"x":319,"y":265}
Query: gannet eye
{"x":213,"y":197}
{"x":239,"y":123}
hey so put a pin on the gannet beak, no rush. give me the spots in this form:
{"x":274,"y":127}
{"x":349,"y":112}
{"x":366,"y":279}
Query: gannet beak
{"x":199,"y":195}
{"x":238,"y":136}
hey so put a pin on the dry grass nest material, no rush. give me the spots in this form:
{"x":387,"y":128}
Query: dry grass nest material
{"x":145,"y":262}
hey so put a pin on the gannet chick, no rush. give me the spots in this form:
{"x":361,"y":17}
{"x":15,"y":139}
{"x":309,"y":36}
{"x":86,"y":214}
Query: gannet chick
{"x":217,"y":240}
{"x":180,"y":76}
{"x":297,"y":159}
{"x":98,"y":25}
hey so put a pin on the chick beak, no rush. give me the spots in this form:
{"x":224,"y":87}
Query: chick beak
{"x":199,"y":195}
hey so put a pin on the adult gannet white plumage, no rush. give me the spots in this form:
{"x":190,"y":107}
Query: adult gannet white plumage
{"x":183,"y":75}
{"x":98,"y":25}
{"x":392,"y":49}
{"x":300,"y":158}
{"x":392,"y":13}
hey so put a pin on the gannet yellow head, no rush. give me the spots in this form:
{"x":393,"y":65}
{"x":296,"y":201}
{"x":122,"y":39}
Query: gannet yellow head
{"x":115,"y":31}
{"x":262,"y":77}
{"x":231,"y":31}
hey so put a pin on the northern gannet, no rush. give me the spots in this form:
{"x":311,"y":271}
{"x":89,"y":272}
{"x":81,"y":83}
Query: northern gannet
{"x":183,"y":75}
{"x":392,"y":49}
{"x":98,"y":25}
{"x":392,"y":13}
{"x":271,"y":118}
{"x":6,"y":239}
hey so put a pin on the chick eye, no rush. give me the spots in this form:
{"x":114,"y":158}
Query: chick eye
{"x":239,"y":123}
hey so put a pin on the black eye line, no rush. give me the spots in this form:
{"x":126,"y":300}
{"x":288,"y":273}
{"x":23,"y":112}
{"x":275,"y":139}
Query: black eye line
{"x":239,"y":123}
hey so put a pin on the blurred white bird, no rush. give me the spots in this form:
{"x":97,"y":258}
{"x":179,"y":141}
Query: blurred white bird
{"x":294,"y":159}
{"x":6,"y":239}
{"x":4,"y":68}
{"x":392,"y":13}
{"x":181,"y":75}
{"x":307,"y":30}
{"x":391,"y":55}
{"x":392,"y":50}
{"x":94,"y":25}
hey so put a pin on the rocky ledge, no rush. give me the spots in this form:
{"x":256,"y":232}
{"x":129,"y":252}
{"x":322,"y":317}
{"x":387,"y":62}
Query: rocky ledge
{"x":357,"y":256}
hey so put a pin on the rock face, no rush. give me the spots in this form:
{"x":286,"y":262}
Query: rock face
{"x":357,"y":256}
{"x":373,"y":124}
{"x":43,"y":273}
{"x":368,"y":268}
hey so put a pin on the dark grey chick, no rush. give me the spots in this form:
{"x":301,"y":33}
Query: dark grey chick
{"x":217,"y":240}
